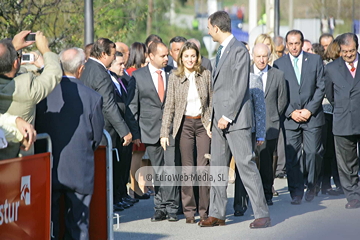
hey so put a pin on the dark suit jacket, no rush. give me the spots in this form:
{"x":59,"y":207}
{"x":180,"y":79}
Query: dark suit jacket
{"x":309,"y":94}
{"x":145,"y":104}
{"x":121,"y":100}
{"x":343,"y":91}
{"x":96,"y":77}
{"x":73,"y":118}
{"x":206,"y":63}
{"x":276,"y":100}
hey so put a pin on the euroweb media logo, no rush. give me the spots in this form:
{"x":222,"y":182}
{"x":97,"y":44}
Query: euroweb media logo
{"x":9,"y":211}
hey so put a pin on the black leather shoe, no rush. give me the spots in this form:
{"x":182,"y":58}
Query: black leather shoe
{"x":238,"y":213}
{"x":123,"y":204}
{"x":281,"y":175}
{"x":310,"y":194}
{"x":172,"y":217}
{"x":130,"y":199}
{"x":269,"y":202}
{"x":335,"y":192}
{"x":117,"y":208}
{"x":296,"y":200}
{"x":158,"y":216}
{"x":144,"y":196}
{"x":123,"y":200}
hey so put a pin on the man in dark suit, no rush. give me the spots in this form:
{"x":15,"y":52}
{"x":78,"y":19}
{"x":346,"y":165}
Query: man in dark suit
{"x":96,"y":76}
{"x":121,"y":169}
{"x":304,"y":116}
{"x":231,"y":124}
{"x":342,"y":79}
{"x":175,"y":45}
{"x":147,"y":103}
{"x":72,"y":116}
{"x":275,"y":92}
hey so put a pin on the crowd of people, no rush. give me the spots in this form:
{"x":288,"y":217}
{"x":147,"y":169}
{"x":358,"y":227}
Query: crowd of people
{"x":284,"y":108}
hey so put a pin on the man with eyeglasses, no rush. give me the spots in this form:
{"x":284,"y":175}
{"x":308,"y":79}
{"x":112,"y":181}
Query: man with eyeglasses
{"x":343,"y":91}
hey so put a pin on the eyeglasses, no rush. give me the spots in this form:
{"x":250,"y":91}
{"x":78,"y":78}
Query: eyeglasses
{"x":348,"y":51}
{"x":18,"y":55}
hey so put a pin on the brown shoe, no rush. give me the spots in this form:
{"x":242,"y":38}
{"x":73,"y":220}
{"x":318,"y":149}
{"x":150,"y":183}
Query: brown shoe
{"x":202,"y":219}
{"x":190,"y":220}
{"x":211,"y":222}
{"x":261,"y":223}
{"x":353,"y":204}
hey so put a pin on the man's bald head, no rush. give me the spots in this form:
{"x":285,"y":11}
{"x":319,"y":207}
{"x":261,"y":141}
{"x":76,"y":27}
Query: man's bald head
{"x":197,"y":42}
{"x":124,"y":49}
{"x":261,"y":55}
{"x":72,"y":61}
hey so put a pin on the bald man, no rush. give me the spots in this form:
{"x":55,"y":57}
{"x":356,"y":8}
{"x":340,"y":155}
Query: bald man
{"x":77,"y":111}
{"x":124,"y":49}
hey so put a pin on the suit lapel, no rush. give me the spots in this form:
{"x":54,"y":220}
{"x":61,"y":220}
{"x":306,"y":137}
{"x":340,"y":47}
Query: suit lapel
{"x":345,"y":72}
{"x":304,"y":69}
{"x":149,"y":81}
{"x":223,"y":58}
{"x":269,"y":80}
{"x":290,"y":66}
{"x":167,"y":74}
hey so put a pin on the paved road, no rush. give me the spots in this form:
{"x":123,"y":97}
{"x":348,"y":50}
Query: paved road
{"x":323,"y":218}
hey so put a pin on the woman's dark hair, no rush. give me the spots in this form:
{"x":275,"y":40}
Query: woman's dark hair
{"x":137,"y":55}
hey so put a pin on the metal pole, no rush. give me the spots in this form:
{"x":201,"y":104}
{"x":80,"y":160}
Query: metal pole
{"x":109,"y":185}
{"x":49,"y":145}
{"x":89,"y":22}
{"x":353,"y":17}
{"x":253,"y":17}
{"x":277,"y":18}
{"x":291,"y":14}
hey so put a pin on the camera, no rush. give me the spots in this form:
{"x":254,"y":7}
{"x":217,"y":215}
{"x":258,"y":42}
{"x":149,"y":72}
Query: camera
{"x":30,"y":37}
{"x":27,"y":57}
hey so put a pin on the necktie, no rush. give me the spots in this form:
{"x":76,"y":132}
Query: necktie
{"x":352,"y":70}
{"x":160,"y":86}
{"x":261,"y":74}
{"x":122,"y":85}
{"x":297,"y":71}
{"x":218,"y":54}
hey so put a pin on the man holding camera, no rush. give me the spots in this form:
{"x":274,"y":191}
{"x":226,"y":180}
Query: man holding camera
{"x":20,"y":94}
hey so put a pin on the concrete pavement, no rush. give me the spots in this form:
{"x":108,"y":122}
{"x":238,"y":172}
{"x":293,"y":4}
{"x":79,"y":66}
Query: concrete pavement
{"x":323,"y":218}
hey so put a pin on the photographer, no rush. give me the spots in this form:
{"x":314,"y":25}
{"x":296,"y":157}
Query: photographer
{"x":19,"y":94}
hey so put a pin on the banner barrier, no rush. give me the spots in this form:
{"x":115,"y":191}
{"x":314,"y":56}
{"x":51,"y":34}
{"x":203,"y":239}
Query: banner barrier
{"x":25,"y":196}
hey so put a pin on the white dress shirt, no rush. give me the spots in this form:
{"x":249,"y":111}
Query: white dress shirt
{"x":154,"y":76}
{"x":355,"y":63}
{"x":117,"y":84}
{"x":299,"y":63}
{"x":96,"y":60}
{"x":193,"y":106}
{"x":263,"y":76}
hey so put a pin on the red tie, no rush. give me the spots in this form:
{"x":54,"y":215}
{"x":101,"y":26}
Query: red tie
{"x":160,"y":85}
{"x":352,"y":67}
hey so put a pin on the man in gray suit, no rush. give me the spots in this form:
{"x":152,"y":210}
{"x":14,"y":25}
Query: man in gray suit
{"x":147,"y":100}
{"x":342,"y":78}
{"x":304,"y":116}
{"x":231,"y":124}
{"x":275,"y":93}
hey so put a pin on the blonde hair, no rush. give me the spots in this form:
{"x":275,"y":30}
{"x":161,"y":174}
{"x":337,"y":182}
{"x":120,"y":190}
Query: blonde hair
{"x":180,"y":71}
{"x":261,"y":39}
